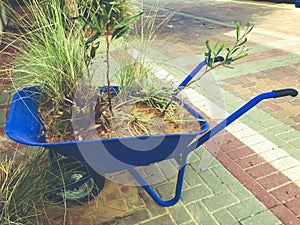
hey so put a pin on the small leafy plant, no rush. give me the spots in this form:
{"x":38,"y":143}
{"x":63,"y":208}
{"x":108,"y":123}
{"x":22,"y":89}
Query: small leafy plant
{"x":233,"y":53}
{"x":224,"y":55}
{"x":215,"y":55}
{"x":104,"y":18}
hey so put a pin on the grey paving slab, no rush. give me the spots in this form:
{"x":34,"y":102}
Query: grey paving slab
{"x":200,"y":214}
{"x":220,"y":200}
{"x":246,"y":208}
{"x":224,"y":217}
{"x":180,"y":214}
{"x":196,"y":193}
{"x":265,"y":217}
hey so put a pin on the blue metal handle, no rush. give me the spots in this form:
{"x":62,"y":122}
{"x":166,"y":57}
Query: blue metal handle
{"x":191,"y":75}
{"x":239,"y":113}
{"x":194,"y":72}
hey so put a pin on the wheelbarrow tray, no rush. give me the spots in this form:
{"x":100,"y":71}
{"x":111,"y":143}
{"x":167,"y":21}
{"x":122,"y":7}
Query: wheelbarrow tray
{"x":24,"y":125}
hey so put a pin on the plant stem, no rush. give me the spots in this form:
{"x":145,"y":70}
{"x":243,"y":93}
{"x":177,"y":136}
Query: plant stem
{"x":108,"y":67}
{"x":87,"y":64}
{"x":180,"y":88}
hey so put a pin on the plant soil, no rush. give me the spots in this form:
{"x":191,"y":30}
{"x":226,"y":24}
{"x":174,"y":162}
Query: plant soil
{"x":137,"y":119}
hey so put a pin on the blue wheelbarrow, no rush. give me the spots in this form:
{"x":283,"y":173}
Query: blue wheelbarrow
{"x":24,"y":125}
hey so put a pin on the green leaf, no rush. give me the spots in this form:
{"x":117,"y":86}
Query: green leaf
{"x":240,"y":57}
{"x":221,"y":48}
{"x":216,"y":45}
{"x":127,"y":21}
{"x":238,"y":31}
{"x":119,"y":33}
{"x":233,"y":51}
{"x":210,"y":62}
{"x":208,"y":55}
{"x":94,"y":19}
{"x":228,"y":53}
{"x":207,"y":45}
{"x":97,"y":45}
{"x":111,"y":9}
{"x":81,"y":21}
{"x":93,"y":38}
{"x":243,"y":42}
{"x":228,"y":61}
{"x":93,"y":52}
{"x":249,"y":29}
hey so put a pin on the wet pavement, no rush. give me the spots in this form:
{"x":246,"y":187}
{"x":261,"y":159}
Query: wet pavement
{"x":255,"y":178}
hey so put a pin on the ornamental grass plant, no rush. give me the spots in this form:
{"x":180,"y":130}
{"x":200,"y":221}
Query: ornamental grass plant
{"x":23,"y":185}
{"x":57,"y":46}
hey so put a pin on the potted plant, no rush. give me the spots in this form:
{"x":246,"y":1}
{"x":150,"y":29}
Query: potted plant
{"x":60,"y":109}
{"x":57,"y":53}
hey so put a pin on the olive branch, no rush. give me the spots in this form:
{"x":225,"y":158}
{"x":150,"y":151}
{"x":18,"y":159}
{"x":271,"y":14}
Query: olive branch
{"x":216,"y":57}
{"x":235,"y":52}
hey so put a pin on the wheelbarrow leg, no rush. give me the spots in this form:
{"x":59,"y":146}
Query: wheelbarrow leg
{"x":153,"y":194}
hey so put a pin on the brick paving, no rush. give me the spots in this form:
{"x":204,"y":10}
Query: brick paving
{"x":254,"y":179}
{"x":268,"y":184}
{"x":271,"y":187}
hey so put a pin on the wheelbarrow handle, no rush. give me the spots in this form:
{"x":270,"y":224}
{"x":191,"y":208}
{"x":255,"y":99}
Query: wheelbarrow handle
{"x":195,"y":71}
{"x":285,"y":92}
{"x":238,"y":113}
{"x":190,"y":76}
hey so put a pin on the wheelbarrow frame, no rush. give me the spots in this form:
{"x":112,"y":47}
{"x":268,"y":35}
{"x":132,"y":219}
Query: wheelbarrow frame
{"x":215,"y":130}
{"x":25,"y":102}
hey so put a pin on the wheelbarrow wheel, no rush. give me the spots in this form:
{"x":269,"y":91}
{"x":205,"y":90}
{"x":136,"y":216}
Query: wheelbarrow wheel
{"x":69,"y":173}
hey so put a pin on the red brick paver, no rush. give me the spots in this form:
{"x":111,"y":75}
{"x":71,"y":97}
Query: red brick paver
{"x":261,"y":170}
{"x":272,"y":188}
{"x":285,"y":215}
